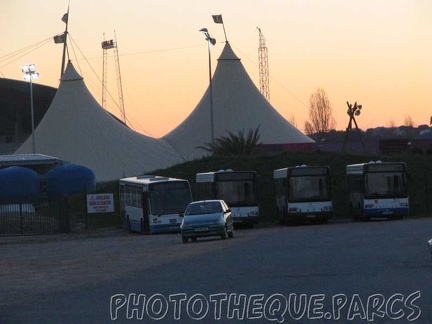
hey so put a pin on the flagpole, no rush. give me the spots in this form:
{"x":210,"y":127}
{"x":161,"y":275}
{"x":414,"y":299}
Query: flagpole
{"x":65,"y":43}
{"x":219,"y":20}
{"x":226,"y":39}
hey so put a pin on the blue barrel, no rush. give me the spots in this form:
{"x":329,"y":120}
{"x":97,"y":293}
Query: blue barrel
{"x":18,"y":184}
{"x":69,"y":179}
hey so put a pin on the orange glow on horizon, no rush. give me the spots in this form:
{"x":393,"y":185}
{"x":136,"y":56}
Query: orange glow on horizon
{"x":377,"y":53}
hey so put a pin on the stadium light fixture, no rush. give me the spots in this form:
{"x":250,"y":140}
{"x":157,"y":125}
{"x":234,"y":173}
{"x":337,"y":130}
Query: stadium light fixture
{"x":30,"y":73}
{"x":212,"y":41}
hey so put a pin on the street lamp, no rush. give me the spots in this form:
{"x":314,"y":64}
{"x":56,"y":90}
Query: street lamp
{"x":212,"y":41}
{"x":30,"y":73}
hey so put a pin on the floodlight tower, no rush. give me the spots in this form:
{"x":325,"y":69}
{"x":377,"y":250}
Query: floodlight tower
{"x":212,"y":41}
{"x":106,"y":45}
{"x":30,"y":74}
{"x":263,"y":66}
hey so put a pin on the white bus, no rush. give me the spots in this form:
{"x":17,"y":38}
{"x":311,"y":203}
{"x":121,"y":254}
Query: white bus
{"x":378,"y":190}
{"x":153,"y":204}
{"x":239,"y":189}
{"x":303,"y":193}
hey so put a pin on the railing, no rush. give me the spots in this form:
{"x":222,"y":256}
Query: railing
{"x":34,"y":218}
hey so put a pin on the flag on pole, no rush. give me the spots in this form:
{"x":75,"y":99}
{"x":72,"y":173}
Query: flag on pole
{"x":65,"y":18}
{"x":58,"y":39}
{"x":217,"y":19}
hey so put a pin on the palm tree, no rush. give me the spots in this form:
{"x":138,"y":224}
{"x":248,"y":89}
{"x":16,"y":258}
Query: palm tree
{"x":233,"y":144}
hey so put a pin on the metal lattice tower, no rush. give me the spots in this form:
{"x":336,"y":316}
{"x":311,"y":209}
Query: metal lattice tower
{"x":106,"y":45}
{"x":263,"y":66}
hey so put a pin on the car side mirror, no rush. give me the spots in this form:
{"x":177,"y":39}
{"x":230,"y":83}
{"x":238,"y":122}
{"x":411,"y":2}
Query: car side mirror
{"x":228,"y":211}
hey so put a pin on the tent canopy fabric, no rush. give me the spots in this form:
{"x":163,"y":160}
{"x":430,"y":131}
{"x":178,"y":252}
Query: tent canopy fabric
{"x":77,"y":129}
{"x":237,"y":105}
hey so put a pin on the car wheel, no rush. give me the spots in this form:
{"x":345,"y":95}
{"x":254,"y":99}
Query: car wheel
{"x":184,"y":239}
{"x":224,"y":234}
{"x":231,"y":234}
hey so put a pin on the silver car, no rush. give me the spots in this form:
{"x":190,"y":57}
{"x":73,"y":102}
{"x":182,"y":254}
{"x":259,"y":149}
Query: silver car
{"x":207,"y":218}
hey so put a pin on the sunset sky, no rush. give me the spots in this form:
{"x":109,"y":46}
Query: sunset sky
{"x":375,"y":52}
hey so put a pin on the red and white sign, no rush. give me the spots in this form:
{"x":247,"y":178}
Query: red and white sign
{"x":100,"y":203}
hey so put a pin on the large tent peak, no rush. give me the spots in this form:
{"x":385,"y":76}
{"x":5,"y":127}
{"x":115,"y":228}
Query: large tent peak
{"x":233,"y":104}
{"x":228,"y":53}
{"x":78,"y":130}
{"x":71,"y":74}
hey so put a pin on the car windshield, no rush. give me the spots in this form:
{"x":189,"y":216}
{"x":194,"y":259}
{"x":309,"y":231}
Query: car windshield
{"x":204,"y":208}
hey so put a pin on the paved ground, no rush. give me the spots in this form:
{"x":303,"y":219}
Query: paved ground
{"x":30,"y":266}
{"x":71,"y":277}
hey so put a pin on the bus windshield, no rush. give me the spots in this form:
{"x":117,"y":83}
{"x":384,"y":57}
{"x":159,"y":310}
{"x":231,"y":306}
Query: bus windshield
{"x":237,"y":193}
{"x":169,"y":197}
{"x":309,"y":188}
{"x":385,"y":184}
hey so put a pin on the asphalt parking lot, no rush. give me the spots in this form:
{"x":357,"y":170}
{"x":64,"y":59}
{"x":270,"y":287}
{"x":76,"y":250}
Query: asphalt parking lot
{"x":389,"y":258}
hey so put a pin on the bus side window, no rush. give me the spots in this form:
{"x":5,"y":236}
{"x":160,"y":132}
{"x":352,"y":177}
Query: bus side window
{"x":145,"y":203}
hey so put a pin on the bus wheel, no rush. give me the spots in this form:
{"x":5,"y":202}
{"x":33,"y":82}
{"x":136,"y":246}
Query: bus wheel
{"x":365,"y":218}
{"x":129,"y":226}
{"x":322,"y":221}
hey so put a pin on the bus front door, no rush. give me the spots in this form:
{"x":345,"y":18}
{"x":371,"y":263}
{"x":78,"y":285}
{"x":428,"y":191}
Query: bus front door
{"x":145,"y":224}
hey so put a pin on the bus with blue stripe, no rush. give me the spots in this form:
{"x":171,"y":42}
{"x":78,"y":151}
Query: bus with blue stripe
{"x":378,"y":190}
{"x":153,"y":204}
{"x":303,"y":194}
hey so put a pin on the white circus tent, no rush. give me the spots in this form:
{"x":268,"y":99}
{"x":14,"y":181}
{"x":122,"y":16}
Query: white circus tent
{"x":78,"y":130}
{"x":237,"y":105}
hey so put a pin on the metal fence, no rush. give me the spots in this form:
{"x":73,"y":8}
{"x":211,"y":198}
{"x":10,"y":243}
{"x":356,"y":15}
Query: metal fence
{"x":44,"y":216}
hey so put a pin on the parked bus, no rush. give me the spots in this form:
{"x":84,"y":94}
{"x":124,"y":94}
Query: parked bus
{"x":239,"y":189}
{"x":153,"y":204}
{"x":378,"y":189}
{"x":303,"y":193}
